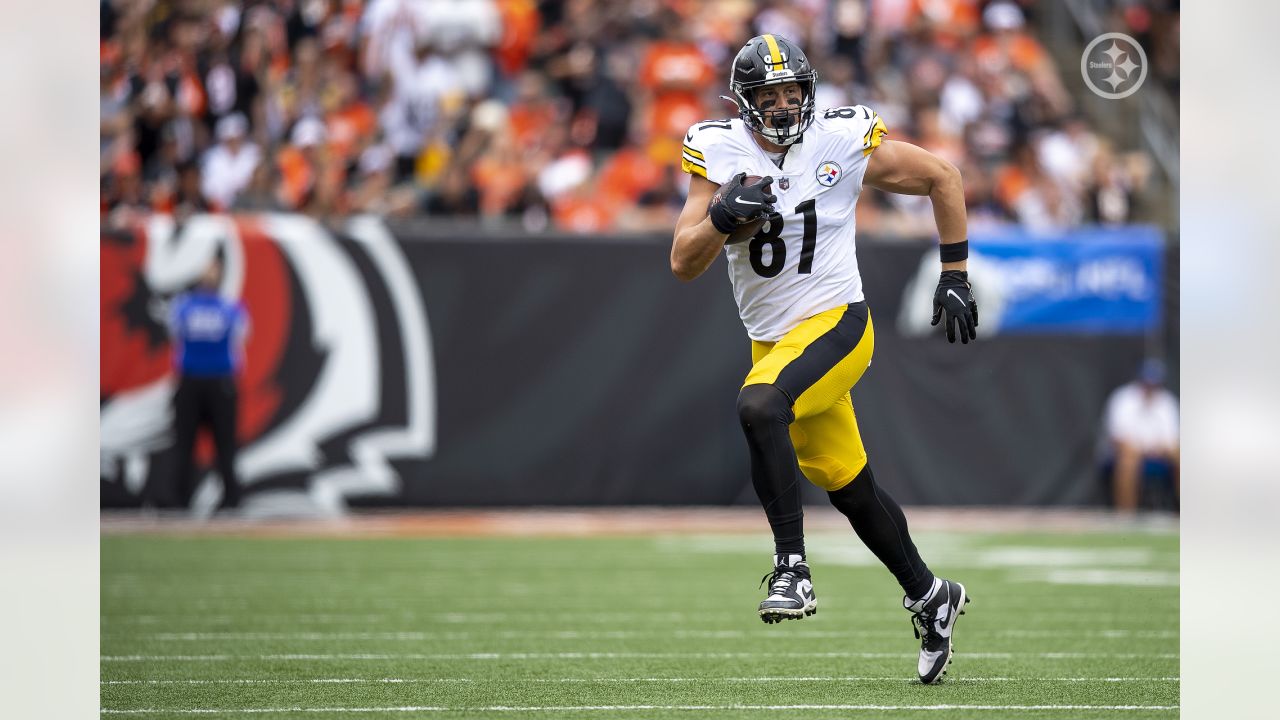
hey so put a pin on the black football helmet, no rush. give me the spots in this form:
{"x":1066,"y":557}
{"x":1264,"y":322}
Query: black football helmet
{"x":772,"y":60}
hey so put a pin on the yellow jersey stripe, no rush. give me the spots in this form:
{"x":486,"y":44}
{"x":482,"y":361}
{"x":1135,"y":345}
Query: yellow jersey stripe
{"x":691,"y":168}
{"x":775,"y":56}
{"x":874,"y":135}
{"x":695,"y":153}
{"x":694,"y":160}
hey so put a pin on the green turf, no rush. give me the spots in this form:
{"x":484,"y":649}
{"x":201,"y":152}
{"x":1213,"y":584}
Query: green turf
{"x":652,"y":627}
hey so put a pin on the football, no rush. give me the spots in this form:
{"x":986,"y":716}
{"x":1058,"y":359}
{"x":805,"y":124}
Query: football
{"x":747,"y":230}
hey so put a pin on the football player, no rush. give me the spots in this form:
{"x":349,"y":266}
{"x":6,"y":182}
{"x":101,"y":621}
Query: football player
{"x":800,"y":297}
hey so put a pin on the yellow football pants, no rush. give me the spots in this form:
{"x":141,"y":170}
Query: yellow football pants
{"x":815,"y":365}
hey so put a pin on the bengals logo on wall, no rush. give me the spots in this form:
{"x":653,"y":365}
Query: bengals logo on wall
{"x":338,"y":378}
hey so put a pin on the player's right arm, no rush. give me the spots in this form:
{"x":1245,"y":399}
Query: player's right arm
{"x":703,"y":227}
{"x":697,"y":242}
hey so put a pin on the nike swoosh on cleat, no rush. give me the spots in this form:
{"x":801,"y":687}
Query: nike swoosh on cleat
{"x":952,"y":613}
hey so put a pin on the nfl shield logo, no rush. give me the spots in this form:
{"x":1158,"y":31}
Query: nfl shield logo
{"x":784,"y":183}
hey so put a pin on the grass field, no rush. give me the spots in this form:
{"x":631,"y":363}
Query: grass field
{"x":1062,"y":625}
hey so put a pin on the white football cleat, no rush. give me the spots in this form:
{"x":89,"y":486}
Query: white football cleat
{"x":791,"y":594}
{"x":934,"y":621}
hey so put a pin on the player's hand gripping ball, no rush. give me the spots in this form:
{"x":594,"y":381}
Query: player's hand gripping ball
{"x":741,"y":206}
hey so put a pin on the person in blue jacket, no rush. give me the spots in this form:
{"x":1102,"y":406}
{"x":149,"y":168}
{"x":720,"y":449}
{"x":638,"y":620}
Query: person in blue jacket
{"x":208,"y":333}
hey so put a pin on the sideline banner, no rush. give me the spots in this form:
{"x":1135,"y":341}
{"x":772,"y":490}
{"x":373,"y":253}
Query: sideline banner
{"x":1089,"y":281}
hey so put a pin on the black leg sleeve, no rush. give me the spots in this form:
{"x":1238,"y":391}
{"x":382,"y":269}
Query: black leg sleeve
{"x":882,"y":527}
{"x":765,"y":413}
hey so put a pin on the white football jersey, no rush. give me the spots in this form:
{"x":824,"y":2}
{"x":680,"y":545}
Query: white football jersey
{"x":802,"y":261}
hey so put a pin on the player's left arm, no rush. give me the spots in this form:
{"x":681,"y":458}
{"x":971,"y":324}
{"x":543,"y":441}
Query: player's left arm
{"x":906,"y":169}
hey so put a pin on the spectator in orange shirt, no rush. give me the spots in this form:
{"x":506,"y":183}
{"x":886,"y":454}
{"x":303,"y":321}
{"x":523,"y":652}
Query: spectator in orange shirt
{"x":501,"y":177}
{"x":311,"y":177}
{"x":674,"y":75}
{"x":350,"y":122}
{"x":1007,"y":46}
{"x":521,"y":22}
{"x":1031,"y":196}
{"x":534,"y":111}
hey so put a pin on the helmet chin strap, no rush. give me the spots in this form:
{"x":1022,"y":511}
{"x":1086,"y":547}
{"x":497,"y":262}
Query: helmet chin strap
{"x":773,"y":135}
{"x":770,"y":134}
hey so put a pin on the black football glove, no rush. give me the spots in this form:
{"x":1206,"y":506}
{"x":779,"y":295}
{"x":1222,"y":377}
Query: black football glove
{"x":741,"y":203}
{"x":954,"y":297}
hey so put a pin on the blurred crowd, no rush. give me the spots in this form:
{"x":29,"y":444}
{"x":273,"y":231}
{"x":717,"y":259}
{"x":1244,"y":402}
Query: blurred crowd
{"x":569,"y":114}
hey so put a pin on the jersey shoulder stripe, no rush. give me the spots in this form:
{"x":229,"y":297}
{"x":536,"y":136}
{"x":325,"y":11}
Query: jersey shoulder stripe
{"x":692,"y":165}
{"x":860,"y":123}
{"x":708,"y":149}
{"x":693,"y":161}
{"x":875,"y":133}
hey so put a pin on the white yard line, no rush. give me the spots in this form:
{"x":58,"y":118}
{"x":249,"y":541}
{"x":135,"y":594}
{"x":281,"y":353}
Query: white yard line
{"x":590,"y":615}
{"x":316,"y":618}
{"x":417,"y":636}
{"x":287,"y":681}
{"x":700,"y":680}
{"x":607,"y":655}
{"x":607,"y":708}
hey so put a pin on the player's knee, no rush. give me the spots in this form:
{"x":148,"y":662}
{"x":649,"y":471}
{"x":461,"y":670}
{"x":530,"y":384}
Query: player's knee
{"x":763,"y":404}
{"x":853,"y":494}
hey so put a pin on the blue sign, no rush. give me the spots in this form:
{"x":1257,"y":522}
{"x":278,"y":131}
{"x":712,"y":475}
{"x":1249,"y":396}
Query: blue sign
{"x":1088,"y":280}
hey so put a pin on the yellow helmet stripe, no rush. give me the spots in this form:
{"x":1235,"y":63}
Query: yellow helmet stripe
{"x":775,"y":56}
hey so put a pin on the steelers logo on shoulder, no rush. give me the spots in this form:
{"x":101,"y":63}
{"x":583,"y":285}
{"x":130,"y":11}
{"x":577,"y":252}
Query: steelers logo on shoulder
{"x":828,"y":173}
